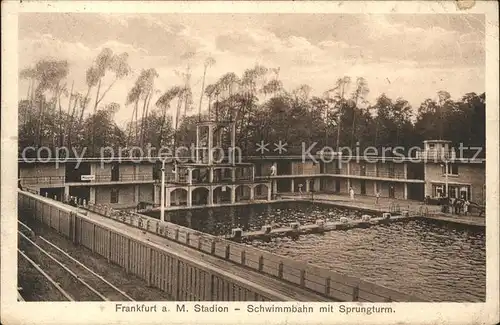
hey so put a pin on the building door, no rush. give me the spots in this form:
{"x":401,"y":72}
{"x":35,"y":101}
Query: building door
{"x":363,"y":187}
{"x":438,"y":190}
{"x":465,"y":192}
{"x":81,"y":192}
{"x":311,"y":185}
{"x":453,"y":192}
{"x":337,"y":186}
{"x":392,"y":191}
{"x":115,"y":173}
{"x":362,"y":169}
{"x":391,"y":170}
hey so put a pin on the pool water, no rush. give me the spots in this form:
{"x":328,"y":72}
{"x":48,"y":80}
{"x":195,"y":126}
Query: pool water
{"x":438,"y":262}
{"x":220,"y":221}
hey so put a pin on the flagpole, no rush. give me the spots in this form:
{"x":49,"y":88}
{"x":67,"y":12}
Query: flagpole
{"x":162,"y":201}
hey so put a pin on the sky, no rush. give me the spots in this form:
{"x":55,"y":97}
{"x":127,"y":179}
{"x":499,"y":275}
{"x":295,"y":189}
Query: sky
{"x":412,"y":56}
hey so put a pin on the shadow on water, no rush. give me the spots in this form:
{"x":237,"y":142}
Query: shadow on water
{"x":220,"y":221}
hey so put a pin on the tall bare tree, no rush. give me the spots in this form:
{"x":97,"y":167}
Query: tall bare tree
{"x":358,"y":95}
{"x":339,"y":91}
{"x":48,"y":76}
{"x":164,"y":102}
{"x":208,"y":63}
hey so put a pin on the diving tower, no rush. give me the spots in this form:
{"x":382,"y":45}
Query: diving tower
{"x":215,"y":175}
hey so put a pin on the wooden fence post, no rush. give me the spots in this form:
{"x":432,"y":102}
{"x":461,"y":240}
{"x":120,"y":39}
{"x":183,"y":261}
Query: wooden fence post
{"x":327,"y":286}
{"x":212,"y":247}
{"x":93,"y":238}
{"x":261,"y":263}
{"x":243,"y":257}
{"x":109,"y":246}
{"x":73,"y":220}
{"x":355,"y":293}
{"x":148,"y":266}
{"x":175,"y":293}
{"x":199,"y":242}
{"x":127,"y":256}
{"x":280,"y":270}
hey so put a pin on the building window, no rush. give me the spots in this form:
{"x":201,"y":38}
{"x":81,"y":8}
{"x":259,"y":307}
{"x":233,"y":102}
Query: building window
{"x":391,"y":169}
{"x":362,"y":171}
{"x":114,"y":195}
{"x":453,"y":192}
{"x":452,"y":169}
{"x":465,"y":192}
{"x":438,"y":191}
{"x":392,"y":191}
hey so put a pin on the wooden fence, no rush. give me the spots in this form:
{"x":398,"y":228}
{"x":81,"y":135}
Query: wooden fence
{"x":180,"y":276}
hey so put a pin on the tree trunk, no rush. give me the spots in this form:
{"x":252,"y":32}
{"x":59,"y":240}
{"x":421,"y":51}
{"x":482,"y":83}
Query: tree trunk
{"x":94,"y":117}
{"x":40,"y":122}
{"x":143,"y":121}
{"x":146,"y":120}
{"x":160,"y":140}
{"x":98,"y":100}
{"x":202,"y":90}
{"x":136,"y":110}
{"x":354,"y":121}
{"x":97,"y":96}
{"x":61,"y":135}
{"x":339,"y":124}
{"x":339,"y":127}
{"x":84,"y":104}
{"x":69,"y":125}
{"x":70,"y":129}
{"x":131,"y":125}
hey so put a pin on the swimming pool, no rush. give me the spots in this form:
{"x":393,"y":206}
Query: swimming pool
{"x":436,"y":261}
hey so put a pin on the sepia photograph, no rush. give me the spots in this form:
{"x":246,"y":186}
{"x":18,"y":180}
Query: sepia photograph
{"x":211,"y":157}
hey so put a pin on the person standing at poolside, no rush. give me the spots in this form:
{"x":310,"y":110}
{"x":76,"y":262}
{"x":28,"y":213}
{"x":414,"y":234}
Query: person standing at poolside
{"x":465,"y":205}
{"x":351,"y":193}
{"x":377,"y":196}
{"x":273,"y":170}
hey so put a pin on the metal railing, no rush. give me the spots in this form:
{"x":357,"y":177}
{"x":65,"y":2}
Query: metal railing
{"x":36,"y":180}
{"x":435,"y":155}
{"x":123,"y":178}
{"x":33,"y":180}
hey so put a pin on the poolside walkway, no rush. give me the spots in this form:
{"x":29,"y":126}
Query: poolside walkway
{"x":368,"y":203}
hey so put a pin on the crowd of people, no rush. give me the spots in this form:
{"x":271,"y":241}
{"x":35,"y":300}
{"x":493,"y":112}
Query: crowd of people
{"x":459,"y":206}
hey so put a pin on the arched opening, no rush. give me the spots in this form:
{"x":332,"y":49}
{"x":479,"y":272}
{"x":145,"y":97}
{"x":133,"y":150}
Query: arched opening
{"x":260,"y":191}
{"x":243,"y":193}
{"x":178,"y":197}
{"x":200,"y":196}
{"x":222,"y":194}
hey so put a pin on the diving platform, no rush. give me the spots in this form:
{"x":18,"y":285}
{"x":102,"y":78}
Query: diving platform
{"x":215,"y":177}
